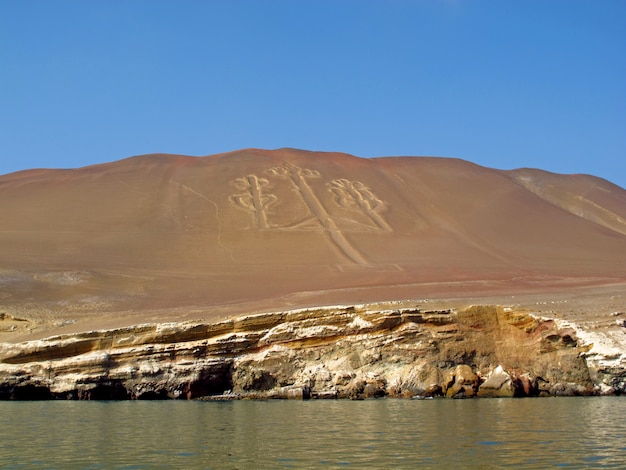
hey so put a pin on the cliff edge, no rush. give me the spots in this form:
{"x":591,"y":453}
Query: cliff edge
{"x":332,"y":352}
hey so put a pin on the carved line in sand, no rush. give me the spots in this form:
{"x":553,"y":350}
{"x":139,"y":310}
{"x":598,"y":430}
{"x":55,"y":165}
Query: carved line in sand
{"x":298,"y":177}
{"x":253,"y":198}
{"x":350,"y":195}
{"x":355,"y":195}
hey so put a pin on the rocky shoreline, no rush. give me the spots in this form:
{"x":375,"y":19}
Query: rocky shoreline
{"x":332,"y":352}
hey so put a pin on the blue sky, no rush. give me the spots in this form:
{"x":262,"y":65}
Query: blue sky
{"x":502,"y":83}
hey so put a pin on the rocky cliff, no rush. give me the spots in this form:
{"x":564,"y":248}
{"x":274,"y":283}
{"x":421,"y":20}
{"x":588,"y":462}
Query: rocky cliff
{"x":331,"y":352}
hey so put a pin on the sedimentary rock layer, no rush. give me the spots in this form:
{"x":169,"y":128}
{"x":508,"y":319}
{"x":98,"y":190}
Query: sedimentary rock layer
{"x":338,"y":352}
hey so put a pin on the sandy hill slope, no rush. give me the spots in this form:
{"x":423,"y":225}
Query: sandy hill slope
{"x":169,"y":237}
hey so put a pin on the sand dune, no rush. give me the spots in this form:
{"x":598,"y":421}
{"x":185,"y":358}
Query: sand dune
{"x":173,"y":236}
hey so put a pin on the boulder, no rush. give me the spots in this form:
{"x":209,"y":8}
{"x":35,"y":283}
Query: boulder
{"x":526,"y":386}
{"x":460,"y":382}
{"x":499,"y":384}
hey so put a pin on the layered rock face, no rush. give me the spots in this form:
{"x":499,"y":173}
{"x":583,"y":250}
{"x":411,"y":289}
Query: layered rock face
{"x":332,"y":352}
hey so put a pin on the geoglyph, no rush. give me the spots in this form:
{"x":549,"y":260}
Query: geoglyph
{"x":352,"y":196}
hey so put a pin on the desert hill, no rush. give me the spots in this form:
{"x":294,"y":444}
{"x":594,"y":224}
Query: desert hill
{"x":177,"y":237}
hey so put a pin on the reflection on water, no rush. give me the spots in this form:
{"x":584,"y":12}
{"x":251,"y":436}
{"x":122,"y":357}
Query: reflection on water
{"x":498,"y":433}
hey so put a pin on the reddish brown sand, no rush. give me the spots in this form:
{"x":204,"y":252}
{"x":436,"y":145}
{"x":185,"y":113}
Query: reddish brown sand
{"x":168,"y":238}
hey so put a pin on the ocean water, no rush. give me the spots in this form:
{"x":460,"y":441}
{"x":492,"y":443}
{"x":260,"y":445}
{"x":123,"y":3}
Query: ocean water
{"x":385,"y":433}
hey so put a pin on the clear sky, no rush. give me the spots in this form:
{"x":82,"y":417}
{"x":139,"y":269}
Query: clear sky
{"x":502,"y":83}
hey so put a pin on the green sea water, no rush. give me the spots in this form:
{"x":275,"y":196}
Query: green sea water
{"x":385,"y":434}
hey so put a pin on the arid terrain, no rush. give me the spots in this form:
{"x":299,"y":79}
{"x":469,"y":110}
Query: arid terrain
{"x":164,"y":237}
{"x":168,"y":238}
